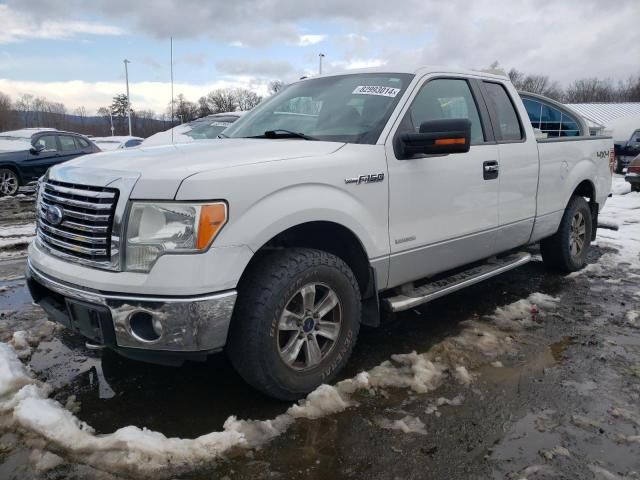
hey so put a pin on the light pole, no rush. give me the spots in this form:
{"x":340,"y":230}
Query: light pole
{"x":320,"y":57}
{"x":126,"y":76}
{"x":111,"y":117}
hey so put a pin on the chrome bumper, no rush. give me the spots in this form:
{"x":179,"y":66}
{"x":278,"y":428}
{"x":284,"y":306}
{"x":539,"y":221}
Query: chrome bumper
{"x":189,"y":324}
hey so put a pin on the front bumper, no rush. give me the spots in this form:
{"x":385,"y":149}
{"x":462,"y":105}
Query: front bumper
{"x":189,"y":325}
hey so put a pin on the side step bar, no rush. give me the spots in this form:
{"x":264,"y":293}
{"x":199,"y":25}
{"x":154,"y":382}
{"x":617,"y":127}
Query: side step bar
{"x":439,"y":288}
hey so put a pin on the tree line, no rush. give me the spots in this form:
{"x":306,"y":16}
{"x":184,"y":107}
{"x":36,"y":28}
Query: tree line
{"x":28,"y":110}
{"x":585,"y":90}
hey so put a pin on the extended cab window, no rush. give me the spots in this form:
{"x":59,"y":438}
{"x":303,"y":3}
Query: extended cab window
{"x":440,"y":99}
{"x":342,"y":108}
{"x":508,"y":124}
{"x":550,"y":120}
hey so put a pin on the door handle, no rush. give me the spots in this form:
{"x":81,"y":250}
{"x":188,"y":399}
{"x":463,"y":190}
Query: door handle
{"x":490,"y":169}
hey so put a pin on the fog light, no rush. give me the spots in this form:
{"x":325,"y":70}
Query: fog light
{"x":145,"y":327}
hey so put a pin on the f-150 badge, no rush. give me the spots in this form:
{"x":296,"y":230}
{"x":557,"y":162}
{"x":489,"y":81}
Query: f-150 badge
{"x":372,"y":178}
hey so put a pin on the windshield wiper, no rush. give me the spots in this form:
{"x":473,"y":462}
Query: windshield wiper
{"x":222,"y":135}
{"x":279,"y":133}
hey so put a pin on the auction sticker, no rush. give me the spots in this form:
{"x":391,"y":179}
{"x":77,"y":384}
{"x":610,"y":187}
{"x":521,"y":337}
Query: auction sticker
{"x":376,"y":90}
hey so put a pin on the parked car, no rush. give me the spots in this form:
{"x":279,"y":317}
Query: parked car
{"x":116,"y":142}
{"x":205,"y":128}
{"x":633,"y":174}
{"x":626,"y":144}
{"x":25,"y":155}
{"x":339,"y":197}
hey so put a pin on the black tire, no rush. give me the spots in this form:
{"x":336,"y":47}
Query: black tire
{"x":256,"y":335}
{"x":619,"y":167}
{"x":557,"y":252}
{"x":9,"y":182}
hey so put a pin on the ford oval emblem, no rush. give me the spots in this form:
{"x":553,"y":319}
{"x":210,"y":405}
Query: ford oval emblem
{"x":54,"y":215}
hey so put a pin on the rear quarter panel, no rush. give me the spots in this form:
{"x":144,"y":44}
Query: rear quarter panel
{"x":564,"y":164}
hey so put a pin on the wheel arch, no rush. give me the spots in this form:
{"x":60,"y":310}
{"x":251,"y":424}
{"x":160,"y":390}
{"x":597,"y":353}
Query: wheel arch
{"x":334,"y":238}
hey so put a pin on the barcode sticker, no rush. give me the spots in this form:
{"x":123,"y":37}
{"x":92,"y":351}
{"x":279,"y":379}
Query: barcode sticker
{"x":376,"y":90}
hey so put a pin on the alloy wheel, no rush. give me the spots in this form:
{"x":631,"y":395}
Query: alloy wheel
{"x":577,"y":234}
{"x":309,"y":326}
{"x":8,"y":182}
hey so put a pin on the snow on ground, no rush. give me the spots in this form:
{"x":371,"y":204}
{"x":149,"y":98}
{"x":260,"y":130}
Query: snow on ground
{"x":623,"y":208}
{"x":24,"y":404}
{"x":25,"y":229}
{"x":407,"y":424}
{"x":15,"y":238}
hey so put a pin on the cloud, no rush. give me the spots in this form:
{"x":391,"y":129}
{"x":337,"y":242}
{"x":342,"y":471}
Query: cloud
{"x":267,"y":68}
{"x":144,"y":95}
{"x":18,"y":26}
{"x":306,"y":40}
{"x":565,"y":39}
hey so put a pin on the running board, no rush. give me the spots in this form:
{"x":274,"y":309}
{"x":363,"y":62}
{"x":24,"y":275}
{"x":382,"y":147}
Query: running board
{"x":439,"y":288}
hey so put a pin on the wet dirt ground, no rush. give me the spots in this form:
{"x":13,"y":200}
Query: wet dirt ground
{"x":565,"y":404}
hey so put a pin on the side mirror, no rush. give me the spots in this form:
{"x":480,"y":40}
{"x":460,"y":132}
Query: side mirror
{"x":437,"y":137}
{"x":37,"y":148}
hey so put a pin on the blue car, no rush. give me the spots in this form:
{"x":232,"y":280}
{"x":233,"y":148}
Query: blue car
{"x":25,"y":155}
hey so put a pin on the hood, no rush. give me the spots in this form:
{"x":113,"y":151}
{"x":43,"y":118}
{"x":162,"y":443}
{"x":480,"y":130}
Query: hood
{"x":161,"y":169}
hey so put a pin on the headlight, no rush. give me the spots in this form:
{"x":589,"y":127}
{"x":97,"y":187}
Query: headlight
{"x":170,"y":227}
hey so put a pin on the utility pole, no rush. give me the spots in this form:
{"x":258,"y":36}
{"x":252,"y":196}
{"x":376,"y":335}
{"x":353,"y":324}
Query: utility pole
{"x":320,"y":57}
{"x":171,"y":63}
{"x":126,"y":76}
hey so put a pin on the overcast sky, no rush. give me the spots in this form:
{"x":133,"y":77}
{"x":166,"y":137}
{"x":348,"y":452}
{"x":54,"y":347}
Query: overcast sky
{"x":72,"y":50}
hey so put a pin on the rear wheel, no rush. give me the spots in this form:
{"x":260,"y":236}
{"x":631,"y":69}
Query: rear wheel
{"x":296,"y":321}
{"x":567,"y":249}
{"x":9,"y":183}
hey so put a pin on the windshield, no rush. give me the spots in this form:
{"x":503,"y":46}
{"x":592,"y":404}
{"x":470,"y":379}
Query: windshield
{"x":344,"y":108}
{"x":9,"y":143}
{"x":210,"y":129}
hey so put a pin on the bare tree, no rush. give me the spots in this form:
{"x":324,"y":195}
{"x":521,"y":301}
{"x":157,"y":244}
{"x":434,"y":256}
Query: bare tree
{"x":24,"y":105}
{"x":246,"y":99}
{"x":222,"y":100}
{"x":539,"y":84}
{"x":590,"y":90}
{"x":183,"y":109}
{"x":203,"y":107}
{"x":6,"y":113}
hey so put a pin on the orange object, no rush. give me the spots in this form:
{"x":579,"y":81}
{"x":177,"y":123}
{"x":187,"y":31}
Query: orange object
{"x":450,"y":141}
{"x":212,"y":219}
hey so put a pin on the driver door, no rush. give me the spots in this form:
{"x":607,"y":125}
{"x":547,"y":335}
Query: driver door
{"x":443,"y":210}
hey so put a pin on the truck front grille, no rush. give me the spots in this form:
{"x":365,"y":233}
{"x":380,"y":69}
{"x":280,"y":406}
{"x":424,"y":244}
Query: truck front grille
{"x":75,"y":221}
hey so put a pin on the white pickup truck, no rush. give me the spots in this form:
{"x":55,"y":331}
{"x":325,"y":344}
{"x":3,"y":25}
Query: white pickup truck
{"x":340,"y":197}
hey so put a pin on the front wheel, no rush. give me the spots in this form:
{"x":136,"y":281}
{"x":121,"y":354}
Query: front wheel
{"x":566,"y":250}
{"x":9,"y":182}
{"x":296,"y":321}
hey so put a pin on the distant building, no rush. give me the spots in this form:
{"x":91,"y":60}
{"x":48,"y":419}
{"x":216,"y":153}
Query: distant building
{"x":619,"y":120}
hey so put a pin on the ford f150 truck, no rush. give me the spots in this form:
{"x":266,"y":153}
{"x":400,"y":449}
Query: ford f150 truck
{"x":336,"y":199}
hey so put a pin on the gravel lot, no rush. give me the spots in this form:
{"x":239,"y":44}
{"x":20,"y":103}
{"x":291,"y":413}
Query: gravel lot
{"x":529,"y":375}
